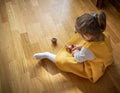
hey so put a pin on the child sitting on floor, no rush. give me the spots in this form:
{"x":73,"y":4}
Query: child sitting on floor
{"x":92,"y":52}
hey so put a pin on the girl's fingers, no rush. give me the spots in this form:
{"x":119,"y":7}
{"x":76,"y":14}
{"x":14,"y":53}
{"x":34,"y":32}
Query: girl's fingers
{"x":73,"y":48}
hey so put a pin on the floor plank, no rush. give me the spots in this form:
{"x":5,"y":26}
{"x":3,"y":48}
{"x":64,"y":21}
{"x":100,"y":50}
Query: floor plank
{"x":27,"y":26}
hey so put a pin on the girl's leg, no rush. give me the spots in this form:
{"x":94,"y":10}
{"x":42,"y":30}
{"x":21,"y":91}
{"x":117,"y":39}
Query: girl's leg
{"x":48,"y":55}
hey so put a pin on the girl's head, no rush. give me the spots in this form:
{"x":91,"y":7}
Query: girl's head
{"x":91,"y":26}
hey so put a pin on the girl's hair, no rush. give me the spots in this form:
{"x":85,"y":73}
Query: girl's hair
{"x":92,"y":24}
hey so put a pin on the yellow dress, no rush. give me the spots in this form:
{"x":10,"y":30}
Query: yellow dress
{"x":90,"y":69}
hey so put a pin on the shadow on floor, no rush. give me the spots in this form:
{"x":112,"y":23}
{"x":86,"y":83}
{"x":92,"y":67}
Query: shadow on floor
{"x":106,"y":84}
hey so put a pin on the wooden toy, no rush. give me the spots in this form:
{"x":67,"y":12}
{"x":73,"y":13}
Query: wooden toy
{"x":69,"y":48}
{"x":54,"y":41}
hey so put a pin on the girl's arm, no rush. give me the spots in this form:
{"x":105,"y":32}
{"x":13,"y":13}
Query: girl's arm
{"x":83,"y":55}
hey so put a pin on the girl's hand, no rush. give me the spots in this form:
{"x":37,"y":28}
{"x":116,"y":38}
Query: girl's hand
{"x":69,"y":48}
{"x":77,"y":47}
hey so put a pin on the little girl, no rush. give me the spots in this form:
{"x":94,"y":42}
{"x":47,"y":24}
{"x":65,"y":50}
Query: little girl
{"x":92,"y":53}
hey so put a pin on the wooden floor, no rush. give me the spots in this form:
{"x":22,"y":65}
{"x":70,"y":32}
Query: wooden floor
{"x":27,"y":26}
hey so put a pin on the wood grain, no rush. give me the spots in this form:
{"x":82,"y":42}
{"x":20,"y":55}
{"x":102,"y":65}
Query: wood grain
{"x":27,"y":26}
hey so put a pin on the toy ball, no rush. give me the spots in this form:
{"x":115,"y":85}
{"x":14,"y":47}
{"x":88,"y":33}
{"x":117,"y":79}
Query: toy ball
{"x":54,"y":40}
{"x":69,"y":48}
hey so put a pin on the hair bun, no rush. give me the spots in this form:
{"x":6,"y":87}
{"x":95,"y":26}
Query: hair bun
{"x":102,"y":19}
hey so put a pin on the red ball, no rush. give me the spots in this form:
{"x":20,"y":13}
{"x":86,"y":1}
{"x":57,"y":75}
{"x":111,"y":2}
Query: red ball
{"x":69,"y":48}
{"x":54,"y":40}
